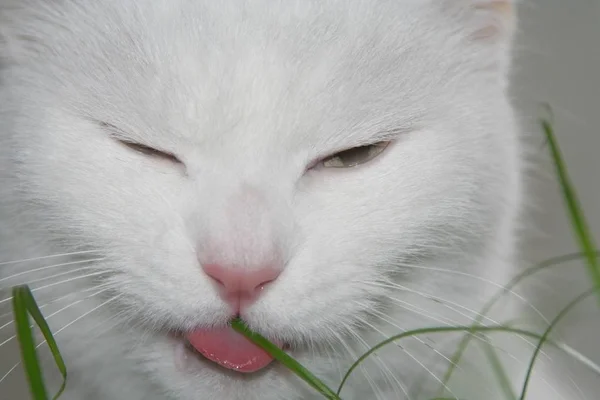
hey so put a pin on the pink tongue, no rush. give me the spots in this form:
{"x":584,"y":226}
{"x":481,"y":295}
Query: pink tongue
{"x":230,"y":349}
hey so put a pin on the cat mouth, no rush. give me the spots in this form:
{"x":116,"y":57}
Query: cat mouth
{"x":228,"y":349}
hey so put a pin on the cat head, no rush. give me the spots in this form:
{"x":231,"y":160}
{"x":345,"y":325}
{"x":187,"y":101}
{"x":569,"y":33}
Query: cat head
{"x":330,"y":145}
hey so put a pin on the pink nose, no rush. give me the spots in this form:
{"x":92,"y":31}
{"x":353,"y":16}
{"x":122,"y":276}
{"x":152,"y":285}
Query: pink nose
{"x":239,"y":285}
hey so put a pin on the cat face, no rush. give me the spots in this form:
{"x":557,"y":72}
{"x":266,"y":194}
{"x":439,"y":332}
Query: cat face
{"x":324,"y":146}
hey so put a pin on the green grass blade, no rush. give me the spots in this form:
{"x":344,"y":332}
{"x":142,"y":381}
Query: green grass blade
{"x":28,"y":353}
{"x":578,"y":221}
{"x":546,"y":334}
{"x":423,"y":331}
{"x":552,"y":262}
{"x":285,"y":359}
{"x":498,"y":369}
{"x":27,"y":305}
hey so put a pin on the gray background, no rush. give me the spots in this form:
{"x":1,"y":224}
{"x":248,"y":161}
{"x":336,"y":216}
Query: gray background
{"x":558,"y":61}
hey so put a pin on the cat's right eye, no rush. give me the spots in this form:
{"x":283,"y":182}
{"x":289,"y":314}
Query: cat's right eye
{"x":355,"y":156}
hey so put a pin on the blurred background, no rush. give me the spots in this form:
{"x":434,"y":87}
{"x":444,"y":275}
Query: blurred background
{"x":557,"y":62}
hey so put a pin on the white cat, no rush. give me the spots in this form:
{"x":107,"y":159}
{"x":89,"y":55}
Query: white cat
{"x":333,"y":172}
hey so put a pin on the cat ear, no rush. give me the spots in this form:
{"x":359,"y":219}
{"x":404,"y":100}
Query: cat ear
{"x":8,"y":42}
{"x":489,"y":20}
{"x":15,"y":20}
{"x":489,"y":25}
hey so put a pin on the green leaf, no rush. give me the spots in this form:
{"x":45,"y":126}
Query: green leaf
{"x":24,"y":304}
{"x":578,"y":221}
{"x":285,"y":359}
{"x":27,"y":344}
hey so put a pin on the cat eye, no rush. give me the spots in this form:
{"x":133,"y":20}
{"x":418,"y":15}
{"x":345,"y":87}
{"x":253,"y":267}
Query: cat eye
{"x":355,"y":156}
{"x":151,"y":152}
{"x":146,"y":150}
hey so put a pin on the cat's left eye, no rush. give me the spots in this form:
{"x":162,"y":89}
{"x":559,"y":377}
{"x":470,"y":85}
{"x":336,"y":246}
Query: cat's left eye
{"x":355,"y":156}
{"x":151,"y":152}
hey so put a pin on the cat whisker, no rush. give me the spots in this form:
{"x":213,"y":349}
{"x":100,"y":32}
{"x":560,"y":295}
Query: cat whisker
{"x":57,"y":275}
{"x":53,"y":301}
{"x":9,"y":372}
{"x":482,"y":279}
{"x":444,"y":302}
{"x":99,"y":332}
{"x":9,"y":339}
{"x":578,"y":388}
{"x":60,"y":283}
{"x":76,"y":253}
{"x":102,"y":272}
{"x":6,"y":324}
{"x":420,"y":311}
{"x":51,"y":267}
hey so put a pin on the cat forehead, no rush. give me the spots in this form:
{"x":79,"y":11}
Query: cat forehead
{"x":298,"y":66}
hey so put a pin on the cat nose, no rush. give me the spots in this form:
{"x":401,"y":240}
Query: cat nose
{"x":238,"y":285}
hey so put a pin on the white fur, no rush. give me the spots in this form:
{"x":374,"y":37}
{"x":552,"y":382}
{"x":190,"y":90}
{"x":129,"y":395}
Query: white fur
{"x":247,"y":93}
